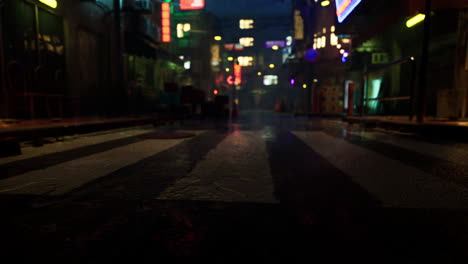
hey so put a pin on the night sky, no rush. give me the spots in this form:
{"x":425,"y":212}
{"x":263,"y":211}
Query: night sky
{"x":246,"y":7}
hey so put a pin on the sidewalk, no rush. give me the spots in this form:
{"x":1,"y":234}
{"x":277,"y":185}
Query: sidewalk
{"x":22,"y":130}
{"x":439,"y":128}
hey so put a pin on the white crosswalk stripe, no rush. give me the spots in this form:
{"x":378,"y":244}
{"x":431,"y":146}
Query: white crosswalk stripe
{"x":65,"y":177}
{"x":394,"y":183}
{"x":76,"y":142}
{"x":456,"y":154}
{"x":237,"y":170}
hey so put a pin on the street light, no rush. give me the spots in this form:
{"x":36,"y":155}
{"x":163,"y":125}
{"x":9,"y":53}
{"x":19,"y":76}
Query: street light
{"x":230,"y":58}
{"x":325,"y":3}
{"x":272,"y":66}
{"x":275,"y":48}
{"x":415,"y":20}
{"x":218,"y":38}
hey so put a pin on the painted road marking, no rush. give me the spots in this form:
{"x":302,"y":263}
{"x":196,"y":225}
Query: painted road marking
{"x":65,"y":177}
{"x":392,"y":182}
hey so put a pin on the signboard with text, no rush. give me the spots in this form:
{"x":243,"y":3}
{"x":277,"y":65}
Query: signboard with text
{"x":345,"y":7}
{"x":192,"y":4}
{"x":279,"y":43}
{"x":233,"y":46}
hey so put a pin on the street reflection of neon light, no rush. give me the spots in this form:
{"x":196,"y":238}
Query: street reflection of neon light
{"x":51,"y":3}
{"x":345,"y":7}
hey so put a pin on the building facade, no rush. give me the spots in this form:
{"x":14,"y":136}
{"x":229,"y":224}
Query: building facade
{"x":82,"y":57}
{"x":375,"y":55}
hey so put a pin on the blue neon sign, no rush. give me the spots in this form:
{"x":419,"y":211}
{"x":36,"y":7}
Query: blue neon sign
{"x":345,"y":7}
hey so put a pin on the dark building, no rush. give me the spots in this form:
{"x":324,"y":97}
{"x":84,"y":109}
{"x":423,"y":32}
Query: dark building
{"x":384,"y":57}
{"x":82,"y":58}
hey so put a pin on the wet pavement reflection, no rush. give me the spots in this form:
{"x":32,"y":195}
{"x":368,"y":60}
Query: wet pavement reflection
{"x":152,"y":210}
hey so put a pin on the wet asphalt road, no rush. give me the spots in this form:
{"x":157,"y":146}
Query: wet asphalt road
{"x":270,"y":188}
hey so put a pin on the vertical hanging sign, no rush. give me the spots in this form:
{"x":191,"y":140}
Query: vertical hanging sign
{"x":166,"y":22}
{"x":237,"y":74}
{"x":298,"y":25}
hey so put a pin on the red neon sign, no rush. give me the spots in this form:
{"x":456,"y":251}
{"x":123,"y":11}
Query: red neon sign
{"x":237,"y":78}
{"x":166,"y":22}
{"x":192,"y":4}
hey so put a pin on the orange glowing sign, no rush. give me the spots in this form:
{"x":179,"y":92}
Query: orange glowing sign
{"x":192,"y":4}
{"x":166,"y":22}
{"x":237,"y":78}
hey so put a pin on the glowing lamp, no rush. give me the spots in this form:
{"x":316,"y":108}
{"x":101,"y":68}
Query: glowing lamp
{"x":230,"y":58}
{"x":50,"y":3}
{"x":311,"y":55}
{"x":292,"y":81}
{"x":275,"y":48}
{"x":271,"y":66}
{"x":218,"y":38}
{"x":227,"y":69}
{"x":304,"y":86}
{"x":215,"y":92}
{"x":325,"y":3}
{"x":259,"y":73}
{"x":344,"y":58}
{"x":415,"y":20}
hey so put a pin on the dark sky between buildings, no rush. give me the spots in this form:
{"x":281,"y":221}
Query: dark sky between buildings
{"x":249,"y":7}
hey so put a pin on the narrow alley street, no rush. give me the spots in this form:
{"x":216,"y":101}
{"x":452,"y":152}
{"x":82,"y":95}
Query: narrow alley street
{"x":273,"y":187}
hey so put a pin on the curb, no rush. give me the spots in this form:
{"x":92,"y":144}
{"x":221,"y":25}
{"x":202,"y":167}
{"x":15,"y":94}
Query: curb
{"x":427,"y":129}
{"x":60,"y":130}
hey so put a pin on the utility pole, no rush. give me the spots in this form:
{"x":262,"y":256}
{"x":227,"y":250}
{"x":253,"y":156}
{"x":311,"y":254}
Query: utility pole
{"x":422,"y":89}
{"x":118,"y":55}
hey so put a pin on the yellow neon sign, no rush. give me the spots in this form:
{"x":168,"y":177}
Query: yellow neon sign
{"x":415,"y":20}
{"x":51,"y":3}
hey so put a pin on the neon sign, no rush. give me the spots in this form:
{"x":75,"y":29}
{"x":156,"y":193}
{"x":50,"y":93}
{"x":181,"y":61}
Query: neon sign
{"x":279,"y":43}
{"x":51,"y":3}
{"x":345,"y":7}
{"x":166,"y":22}
{"x":237,"y":78}
{"x":192,"y":4}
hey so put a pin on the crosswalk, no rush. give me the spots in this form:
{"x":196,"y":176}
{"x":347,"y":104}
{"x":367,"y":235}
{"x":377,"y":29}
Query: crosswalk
{"x":239,"y":168}
{"x":394,"y":183}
